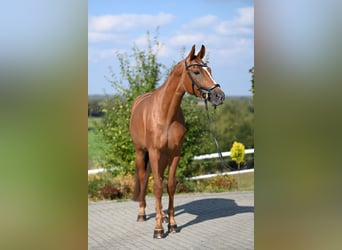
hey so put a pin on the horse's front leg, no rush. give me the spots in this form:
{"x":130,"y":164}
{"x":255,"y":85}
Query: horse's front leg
{"x":158,"y":191}
{"x":171,"y":188}
{"x":157,"y":166}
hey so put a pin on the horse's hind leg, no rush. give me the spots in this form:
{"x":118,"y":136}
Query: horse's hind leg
{"x":142,"y":174}
{"x":171,"y":188}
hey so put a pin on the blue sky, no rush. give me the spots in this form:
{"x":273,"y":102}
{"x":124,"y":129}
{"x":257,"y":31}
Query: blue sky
{"x":225,"y":27}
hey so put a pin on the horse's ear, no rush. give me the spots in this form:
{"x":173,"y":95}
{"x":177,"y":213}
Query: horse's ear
{"x":201,"y":53}
{"x":191,"y":55}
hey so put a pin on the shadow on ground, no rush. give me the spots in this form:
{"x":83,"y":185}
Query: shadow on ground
{"x":209,"y":209}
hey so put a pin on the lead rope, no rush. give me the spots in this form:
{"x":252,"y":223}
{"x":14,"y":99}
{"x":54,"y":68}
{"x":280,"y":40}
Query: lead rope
{"x":213,"y":132}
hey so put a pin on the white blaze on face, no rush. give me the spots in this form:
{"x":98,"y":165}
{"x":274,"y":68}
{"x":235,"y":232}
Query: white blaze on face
{"x":206,"y":70}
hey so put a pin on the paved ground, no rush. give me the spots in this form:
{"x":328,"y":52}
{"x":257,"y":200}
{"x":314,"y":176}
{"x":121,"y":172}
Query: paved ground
{"x":205,"y":221}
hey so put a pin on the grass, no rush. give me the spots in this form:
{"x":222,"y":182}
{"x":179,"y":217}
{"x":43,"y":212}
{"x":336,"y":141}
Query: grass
{"x":224,"y":183}
{"x":246,"y":182}
{"x":95,"y":153}
{"x":94,"y":150}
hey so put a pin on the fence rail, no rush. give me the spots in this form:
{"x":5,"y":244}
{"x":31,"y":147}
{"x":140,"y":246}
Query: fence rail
{"x":206,"y":176}
{"x":199,"y":157}
{"x":216,"y":155}
{"x":224,"y":154}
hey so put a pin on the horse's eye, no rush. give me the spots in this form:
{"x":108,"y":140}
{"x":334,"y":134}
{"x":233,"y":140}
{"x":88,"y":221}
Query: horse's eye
{"x":197,"y":72}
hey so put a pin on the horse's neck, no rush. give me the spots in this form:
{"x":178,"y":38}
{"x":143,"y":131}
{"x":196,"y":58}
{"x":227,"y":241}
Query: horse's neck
{"x":170,"y":97}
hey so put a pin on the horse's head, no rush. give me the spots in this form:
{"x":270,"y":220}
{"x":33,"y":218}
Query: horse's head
{"x":201,"y":83}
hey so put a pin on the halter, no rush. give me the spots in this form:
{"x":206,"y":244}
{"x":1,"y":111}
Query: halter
{"x":203,"y":90}
{"x":205,"y":94}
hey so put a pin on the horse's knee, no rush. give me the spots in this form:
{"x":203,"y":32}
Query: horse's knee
{"x":158,"y":189}
{"x":171,"y":189}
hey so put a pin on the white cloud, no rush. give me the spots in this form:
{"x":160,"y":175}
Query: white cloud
{"x":224,"y":38}
{"x":164,"y":51}
{"x":141,"y":41}
{"x":219,"y":33}
{"x":184,"y":39}
{"x":202,"y":22}
{"x":98,"y":36}
{"x":246,"y":16}
{"x":96,"y":55}
{"x":241,"y":25}
{"x":160,"y":49}
{"x":230,"y":38}
{"x":126,"y":22}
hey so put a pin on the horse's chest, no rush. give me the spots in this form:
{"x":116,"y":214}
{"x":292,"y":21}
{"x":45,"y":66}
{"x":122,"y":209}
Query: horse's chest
{"x":175,"y":135}
{"x":169,"y":137}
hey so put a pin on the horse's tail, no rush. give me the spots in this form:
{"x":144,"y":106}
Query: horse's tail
{"x":138,"y":193}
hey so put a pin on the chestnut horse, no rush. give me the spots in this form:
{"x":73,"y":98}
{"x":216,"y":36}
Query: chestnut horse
{"x":157,"y":129}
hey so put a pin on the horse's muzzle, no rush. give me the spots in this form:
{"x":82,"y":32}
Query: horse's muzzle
{"x":216,"y":97}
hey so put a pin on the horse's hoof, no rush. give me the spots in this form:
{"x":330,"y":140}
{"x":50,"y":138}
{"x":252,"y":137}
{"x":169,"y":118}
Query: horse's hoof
{"x":172,"y":228}
{"x":158,"y":234}
{"x":165,"y":219}
{"x":141,"y":217}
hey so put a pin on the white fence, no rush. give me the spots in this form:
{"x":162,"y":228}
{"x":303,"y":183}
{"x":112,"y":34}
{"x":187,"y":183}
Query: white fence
{"x":224,"y":154}
{"x":206,"y":176}
{"x":95,"y":171}
{"x":216,"y":155}
{"x":199,"y":157}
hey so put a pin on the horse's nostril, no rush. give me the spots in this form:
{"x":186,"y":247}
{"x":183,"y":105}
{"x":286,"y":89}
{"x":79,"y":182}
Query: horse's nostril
{"x":220,"y":96}
{"x":216,"y":98}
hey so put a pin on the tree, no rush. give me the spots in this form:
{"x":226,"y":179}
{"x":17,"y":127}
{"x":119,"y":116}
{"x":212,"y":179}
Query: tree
{"x":140,"y":72}
{"x":94,"y":107}
{"x":234,"y":121}
{"x":237,"y":153}
{"x":252,"y":72}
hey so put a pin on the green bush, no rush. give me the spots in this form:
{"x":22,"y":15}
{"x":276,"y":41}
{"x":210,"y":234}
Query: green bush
{"x":104,"y":186}
{"x":185,"y":187}
{"x":94,"y":186}
{"x":140,"y":72}
{"x":109,"y":191}
{"x":219,"y":183}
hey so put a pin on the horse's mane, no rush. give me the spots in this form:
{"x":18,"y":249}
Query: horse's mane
{"x":176,"y":70}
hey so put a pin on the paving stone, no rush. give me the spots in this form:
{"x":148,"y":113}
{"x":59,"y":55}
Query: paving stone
{"x":205,"y":220}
